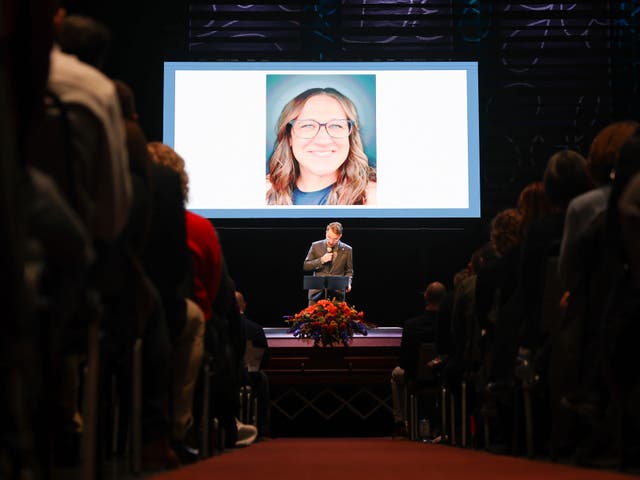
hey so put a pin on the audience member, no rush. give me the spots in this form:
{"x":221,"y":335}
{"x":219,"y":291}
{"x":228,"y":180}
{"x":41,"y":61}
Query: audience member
{"x":574,"y":267}
{"x":415,"y":331}
{"x":256,"y":358}
{"x":466,"y":331}
{"x":165,"y":261}
{"x":26,"y":41}
{"x":504,"y":237}
{"x":582,"y":213}
{"x":81,"y":146}
{"x":608,"y":306}
{"x":86,"y":38}
{"x":213,"y":292}
{"x":58,"y":255}
{"x":604,"y":257}
{"x":205,"y":268}
{"x":533,"y":204}
{"x":134,"y":305}
{"x":629,"y":206}
{"x":565,"y":177}
{"x":499,"y":311}
{"x":97,"y":144}
{"x":495,"y":288}
{"x":603,"y":153}
{"x":625,"y":332}
{"x":226,"y":339}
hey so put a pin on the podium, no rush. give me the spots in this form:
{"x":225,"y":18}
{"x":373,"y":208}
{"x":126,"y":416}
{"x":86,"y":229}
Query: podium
{"x":325,"y":283}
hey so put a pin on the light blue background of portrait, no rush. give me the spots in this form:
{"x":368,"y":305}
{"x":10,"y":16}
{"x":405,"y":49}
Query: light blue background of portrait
{"x":360,"y":89}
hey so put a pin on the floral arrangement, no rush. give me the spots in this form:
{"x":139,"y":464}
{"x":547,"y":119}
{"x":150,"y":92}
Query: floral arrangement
{"x":328,"y":323}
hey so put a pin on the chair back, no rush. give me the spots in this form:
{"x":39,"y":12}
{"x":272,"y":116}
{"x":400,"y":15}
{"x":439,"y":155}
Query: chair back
{"x":52,"y":149}
{"x":426,"y":354}
{"x":253,"y":356}
{"x":551,"y":312}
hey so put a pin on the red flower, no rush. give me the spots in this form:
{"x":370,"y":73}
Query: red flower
{"x":327,"y":323}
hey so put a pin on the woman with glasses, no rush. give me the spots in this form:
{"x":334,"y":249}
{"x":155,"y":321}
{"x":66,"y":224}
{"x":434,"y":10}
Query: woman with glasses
{"x":318,"y":158}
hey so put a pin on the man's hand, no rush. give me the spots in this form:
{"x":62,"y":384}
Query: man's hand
{"x":348,"y":288}
{"x":326,"y":258}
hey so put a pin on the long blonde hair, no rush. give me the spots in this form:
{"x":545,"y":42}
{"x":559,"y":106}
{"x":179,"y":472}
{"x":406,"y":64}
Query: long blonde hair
{"x":353,"y":175}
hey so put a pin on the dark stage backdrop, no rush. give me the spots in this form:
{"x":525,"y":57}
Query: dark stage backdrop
{"x":551,"y":75}
{"x":393,"y":263}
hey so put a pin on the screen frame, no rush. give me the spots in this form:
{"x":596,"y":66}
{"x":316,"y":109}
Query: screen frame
{"x":473,"y":210}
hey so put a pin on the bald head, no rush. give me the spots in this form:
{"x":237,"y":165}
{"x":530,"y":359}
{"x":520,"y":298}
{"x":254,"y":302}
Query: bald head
{"x":433,"y":295}
{"x":242,"y":303}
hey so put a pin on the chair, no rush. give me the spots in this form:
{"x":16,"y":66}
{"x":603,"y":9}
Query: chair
{"x":206,"y":423}
{"x":451,"y":437}
{"x":425,"y":384}
{"x":248,"y":396}
{"x":248,"y":406}
{"x":136,"y":408}
{"x":253,"y":356}
{"x":550,"y":319}
{"x":463,"y":412}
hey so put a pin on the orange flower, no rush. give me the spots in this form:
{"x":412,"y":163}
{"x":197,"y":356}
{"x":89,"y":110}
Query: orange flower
{"x":327,"y":323}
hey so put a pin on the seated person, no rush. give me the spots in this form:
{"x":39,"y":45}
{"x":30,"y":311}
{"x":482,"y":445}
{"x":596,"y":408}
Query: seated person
{"x":256,"y":358}
{"x":417,"y":330}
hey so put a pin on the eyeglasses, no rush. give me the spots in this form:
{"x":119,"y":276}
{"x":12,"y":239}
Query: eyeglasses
{"x":305,"y":128}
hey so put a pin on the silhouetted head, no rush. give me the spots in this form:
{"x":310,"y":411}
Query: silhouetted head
{"x":165,"y":155}
{"x":127,"y":100}
{"x":605,"y":149}
{"x":506,"y":231}
{"x":481,"y":256}
{"x":533,"y":204}
{"x":433,"y":295}
{"x":86,"y":38}
{"x":566,"y":177}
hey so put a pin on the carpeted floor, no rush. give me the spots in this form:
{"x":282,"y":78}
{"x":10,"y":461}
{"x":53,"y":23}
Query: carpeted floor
{"x":372,"y":459}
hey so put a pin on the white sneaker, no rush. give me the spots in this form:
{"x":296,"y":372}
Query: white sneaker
{"x":247,"y":434}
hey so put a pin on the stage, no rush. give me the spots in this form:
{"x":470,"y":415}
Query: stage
{"x":332,"y":390}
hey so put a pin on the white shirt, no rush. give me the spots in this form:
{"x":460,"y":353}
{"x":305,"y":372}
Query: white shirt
{"x":106,"y":176}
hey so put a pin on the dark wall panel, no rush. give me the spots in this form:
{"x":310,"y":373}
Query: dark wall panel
{"x":551,"y":75}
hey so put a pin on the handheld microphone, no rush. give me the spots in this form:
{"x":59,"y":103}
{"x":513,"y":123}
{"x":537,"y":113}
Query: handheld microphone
{"x":330,"y":250}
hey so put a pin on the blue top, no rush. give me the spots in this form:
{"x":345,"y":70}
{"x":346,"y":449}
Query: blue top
{"x":319,"y":197}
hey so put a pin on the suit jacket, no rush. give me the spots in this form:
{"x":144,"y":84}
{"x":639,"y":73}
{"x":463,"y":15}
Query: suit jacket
{"x":416,"y":330}
{"x":342,"y":264}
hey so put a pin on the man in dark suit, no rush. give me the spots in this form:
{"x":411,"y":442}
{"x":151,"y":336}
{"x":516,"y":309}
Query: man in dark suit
{"x":423,"y":328}
{"x":330,"y":257}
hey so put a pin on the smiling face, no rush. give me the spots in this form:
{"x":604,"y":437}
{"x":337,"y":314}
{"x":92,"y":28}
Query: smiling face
{"x":320,"y":157}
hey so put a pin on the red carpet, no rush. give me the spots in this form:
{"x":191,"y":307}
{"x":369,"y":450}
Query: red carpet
{"x":372,"y":459}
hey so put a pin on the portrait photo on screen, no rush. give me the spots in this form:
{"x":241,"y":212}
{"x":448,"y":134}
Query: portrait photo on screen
{"x":321,"y":133}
